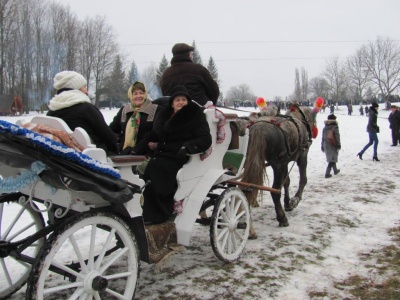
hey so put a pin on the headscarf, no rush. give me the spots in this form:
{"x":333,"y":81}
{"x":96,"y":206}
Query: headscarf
{"x":132,"y":125}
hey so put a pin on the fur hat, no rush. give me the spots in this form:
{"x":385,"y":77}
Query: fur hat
{"x":179,"y":90}
{"x":331,"y":117}
{"x":181,"y":48}
{"x":69,"y":79}
{"x":374,"y":105}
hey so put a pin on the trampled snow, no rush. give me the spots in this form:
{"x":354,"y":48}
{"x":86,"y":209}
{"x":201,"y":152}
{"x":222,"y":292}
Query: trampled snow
{"x":339,"y":221}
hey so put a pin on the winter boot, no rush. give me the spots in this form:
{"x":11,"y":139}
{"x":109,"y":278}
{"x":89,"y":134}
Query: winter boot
{"x":335,"y":169}
{"x":328,"y":171}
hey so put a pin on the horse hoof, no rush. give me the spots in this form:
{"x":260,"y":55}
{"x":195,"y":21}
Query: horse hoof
{"x":288,"y":208}
{"x":253,"y":236}
{"x":284,"y":224}
{"x":293,"y":203}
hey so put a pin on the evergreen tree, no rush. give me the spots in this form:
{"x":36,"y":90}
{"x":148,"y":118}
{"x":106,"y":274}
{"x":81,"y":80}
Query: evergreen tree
{"x":212,"y":68}
{"x":133,"y":74}
{"x":162,"y":67}
{"x":116,"y":85}
{"x":196,"y":55}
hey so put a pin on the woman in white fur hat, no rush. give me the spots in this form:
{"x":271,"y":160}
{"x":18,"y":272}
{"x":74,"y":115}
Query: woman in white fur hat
{"x":72,"y":104}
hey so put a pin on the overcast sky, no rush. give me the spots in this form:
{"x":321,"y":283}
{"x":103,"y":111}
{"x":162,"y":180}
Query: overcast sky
{"x":257,"y":42}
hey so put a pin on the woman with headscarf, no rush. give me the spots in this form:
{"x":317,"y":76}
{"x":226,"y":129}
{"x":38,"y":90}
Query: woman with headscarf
{"x":372,"y":129}
{"x":331,"y":145}
{"x":72,"y":104}
{"x":134,"y":122}
{"x":182,"y":129}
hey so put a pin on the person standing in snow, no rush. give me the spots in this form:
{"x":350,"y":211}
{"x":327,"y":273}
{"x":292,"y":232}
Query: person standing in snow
{"x":194,"y":77}
{"x":394,"y":120}
{"x":372,"y":129}
{"x":72,"y":104}
{"x":330,"y":149}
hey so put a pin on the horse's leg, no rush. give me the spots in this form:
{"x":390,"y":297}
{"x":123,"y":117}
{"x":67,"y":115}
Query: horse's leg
{"x":302,"y":164}
{"x":278,"y":179}
{"x":286,"y":185}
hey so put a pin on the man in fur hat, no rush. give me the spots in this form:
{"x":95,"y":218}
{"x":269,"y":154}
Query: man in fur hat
{"x":196,"y":78}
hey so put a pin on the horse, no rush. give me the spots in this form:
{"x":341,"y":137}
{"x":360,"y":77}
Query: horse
{"x":278,"y":140}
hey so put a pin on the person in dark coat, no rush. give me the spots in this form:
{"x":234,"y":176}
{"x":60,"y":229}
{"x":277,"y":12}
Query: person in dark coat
{"x":195,"y":77}
{"x":133,"y":123}
{"x":331,"y":150}
{"x":372,"y":129}
{"x":182,"y":129}
{"x":394,"y":120}
{"x":72,"y":104}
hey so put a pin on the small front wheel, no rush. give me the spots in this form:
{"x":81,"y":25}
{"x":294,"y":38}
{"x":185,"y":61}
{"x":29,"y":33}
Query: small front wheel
{"x":230,"y":225}
{"x":93,"y":255}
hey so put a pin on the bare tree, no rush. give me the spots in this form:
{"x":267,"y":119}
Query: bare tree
{"x":319,"y":87}
{"x":335,"y":74}
{"x":240,"y":92}
{"x":382,"y":60}
{"x":304,"y":85}
{"x":149,"y":77}
{"x":297,"y":87}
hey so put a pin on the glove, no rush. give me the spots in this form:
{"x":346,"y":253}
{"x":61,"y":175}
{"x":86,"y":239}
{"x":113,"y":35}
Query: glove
{"x":181,"y":156}
{"x":339,"y":147}
{"x":127,"y":151}
{"x":322,"y":149}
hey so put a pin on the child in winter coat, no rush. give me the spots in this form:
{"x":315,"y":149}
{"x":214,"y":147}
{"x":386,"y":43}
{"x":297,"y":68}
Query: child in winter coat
{"x":331,"y":144}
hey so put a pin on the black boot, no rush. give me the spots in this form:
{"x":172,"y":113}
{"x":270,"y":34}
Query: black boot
{"x":360,"y":155}
{"x":328,"y":171}
{"x":375,"y":158}
{"x":335,"y":169}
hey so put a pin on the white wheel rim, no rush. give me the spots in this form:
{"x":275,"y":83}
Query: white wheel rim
{"x":229,"y":239}
{"x":84,"y":241}
{"x":17,"y":221}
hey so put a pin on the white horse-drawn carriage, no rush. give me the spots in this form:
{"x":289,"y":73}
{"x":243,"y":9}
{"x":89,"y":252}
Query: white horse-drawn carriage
{"x":71,"y":223}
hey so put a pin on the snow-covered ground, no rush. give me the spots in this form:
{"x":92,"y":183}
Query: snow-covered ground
{"x":338,"y":221}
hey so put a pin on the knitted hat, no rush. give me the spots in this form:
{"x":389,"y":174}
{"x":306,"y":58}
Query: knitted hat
{"x":374,"y":104}
{"x":331,"y":117}
{"x":179,"y":90}
{"x":70,"y":80}
{"x":181,"y":48}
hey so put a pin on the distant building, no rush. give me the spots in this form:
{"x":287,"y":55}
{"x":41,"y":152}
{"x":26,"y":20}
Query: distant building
{"x":11,"y":105}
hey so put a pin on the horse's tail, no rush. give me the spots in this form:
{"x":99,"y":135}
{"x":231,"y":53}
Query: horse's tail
{"x":254,"y":166}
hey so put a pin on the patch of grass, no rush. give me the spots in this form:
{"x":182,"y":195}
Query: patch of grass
{"x":386,"y":263}
{"x":346,"y":222}
{"x":363,"y":200}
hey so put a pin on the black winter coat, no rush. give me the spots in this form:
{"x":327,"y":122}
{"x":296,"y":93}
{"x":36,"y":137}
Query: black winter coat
{"x":372,"y":120}
{"x":118,"y":125}
{"x":196,"y":78}
{"x":394,"y":120}
{"x":187,"y":128}
{"x":88,"y":117}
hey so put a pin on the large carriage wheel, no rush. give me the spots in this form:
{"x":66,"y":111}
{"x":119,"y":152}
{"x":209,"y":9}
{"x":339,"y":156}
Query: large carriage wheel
{"x":94,"y":255}
{"x":230,"y":225}
{"x":17,"y":221}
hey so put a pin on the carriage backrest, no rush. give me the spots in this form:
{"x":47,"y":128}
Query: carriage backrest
{"x":192,"y":172}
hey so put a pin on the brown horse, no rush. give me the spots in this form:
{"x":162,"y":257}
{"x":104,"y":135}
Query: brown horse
{"x":278,"y":140}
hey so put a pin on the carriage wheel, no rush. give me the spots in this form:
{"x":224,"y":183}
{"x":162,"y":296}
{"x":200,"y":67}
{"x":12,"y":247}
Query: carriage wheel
{"x":230,"y":225}
{"x":17,"y":221}
{"x":92,"y":256}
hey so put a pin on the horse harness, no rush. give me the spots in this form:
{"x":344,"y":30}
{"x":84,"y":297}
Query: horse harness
{"x":277,"y":125}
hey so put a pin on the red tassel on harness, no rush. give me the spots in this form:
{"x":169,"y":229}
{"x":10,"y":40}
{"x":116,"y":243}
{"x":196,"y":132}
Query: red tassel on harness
{"x":314,"y":132}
